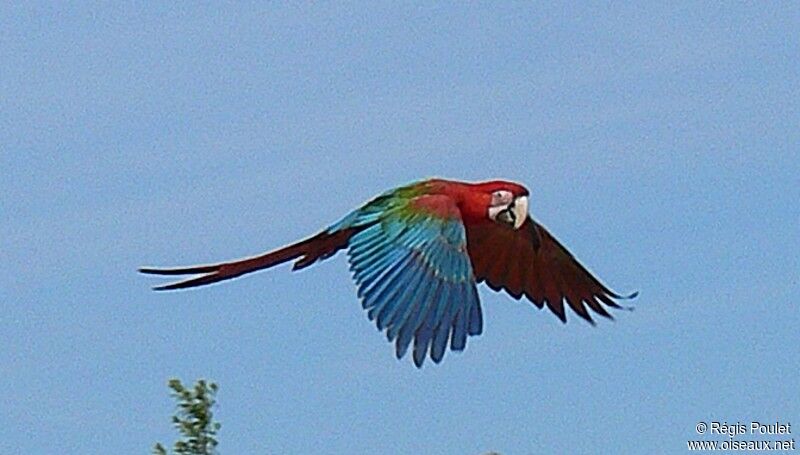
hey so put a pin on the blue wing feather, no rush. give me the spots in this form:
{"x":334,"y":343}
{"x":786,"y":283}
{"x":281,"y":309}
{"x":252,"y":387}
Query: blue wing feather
{"x":475,"y":318}
{"x":444,"y":324}
{"x":369,"y":278}
{"x":401,"y":306}
{"x":385,"y":290}
{"x":408,"y":328}
{"x":459,"y":338}
{"x":413,"y":274}
{"x":429,"y":326}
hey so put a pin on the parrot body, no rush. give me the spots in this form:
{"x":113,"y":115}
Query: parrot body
{"x":417,"y":253}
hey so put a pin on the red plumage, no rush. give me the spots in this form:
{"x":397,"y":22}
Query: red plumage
{"x":514,"y":254}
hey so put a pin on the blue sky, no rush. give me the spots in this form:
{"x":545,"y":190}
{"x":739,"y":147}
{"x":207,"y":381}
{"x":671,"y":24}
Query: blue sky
{"x":660,"y":144}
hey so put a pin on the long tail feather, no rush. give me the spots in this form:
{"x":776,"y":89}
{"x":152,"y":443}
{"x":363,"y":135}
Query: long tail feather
{"x":181,"y":270}
{"x":318,"y":247}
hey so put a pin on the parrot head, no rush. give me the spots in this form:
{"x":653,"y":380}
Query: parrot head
{"x":497,"y":201}
{"x":507,"y":203}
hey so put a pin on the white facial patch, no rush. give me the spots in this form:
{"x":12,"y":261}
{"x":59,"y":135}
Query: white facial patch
{"x":502,"y":197}
{"x":495,"y":210}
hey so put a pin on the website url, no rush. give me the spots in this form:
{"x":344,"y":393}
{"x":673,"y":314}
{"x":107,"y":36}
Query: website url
{"x":731,"y":444}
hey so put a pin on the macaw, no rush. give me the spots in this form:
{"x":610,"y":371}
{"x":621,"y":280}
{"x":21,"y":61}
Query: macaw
{"x":417,"y":252}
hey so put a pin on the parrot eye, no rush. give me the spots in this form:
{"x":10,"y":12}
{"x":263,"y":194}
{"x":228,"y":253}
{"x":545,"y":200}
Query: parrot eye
{"x":501,"y":197}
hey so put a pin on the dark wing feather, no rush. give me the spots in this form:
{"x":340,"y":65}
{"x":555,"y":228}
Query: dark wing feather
{"x":536,"y":265}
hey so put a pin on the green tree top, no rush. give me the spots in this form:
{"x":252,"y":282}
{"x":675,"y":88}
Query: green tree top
{"x":194,"y":419}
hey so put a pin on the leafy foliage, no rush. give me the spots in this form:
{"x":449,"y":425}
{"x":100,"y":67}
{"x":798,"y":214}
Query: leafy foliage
{"x":194,"y":419}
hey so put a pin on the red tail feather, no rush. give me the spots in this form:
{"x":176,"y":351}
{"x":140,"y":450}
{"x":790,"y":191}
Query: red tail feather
{"x":318,"y":247}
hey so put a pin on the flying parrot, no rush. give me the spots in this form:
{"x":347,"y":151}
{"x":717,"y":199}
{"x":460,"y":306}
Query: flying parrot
{"x":417,"y":253}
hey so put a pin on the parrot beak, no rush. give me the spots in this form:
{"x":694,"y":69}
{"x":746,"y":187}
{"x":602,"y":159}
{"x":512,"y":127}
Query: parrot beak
{"x":520,"y":211}
{"x":513,"y":214}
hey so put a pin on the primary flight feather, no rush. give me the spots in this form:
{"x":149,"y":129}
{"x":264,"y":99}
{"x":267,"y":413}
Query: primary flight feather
{"x":417,"y":253}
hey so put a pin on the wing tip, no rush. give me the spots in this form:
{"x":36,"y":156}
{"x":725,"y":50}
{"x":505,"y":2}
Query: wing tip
{"x":630,"y":296}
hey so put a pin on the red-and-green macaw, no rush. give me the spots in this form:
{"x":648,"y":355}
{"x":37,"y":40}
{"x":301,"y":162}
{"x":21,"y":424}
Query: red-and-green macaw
{"x":417,"y":253}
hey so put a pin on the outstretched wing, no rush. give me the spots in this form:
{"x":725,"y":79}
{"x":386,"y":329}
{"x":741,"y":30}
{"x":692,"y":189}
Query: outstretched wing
{"x":531,"y":262}
{"x":414,"y":276}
